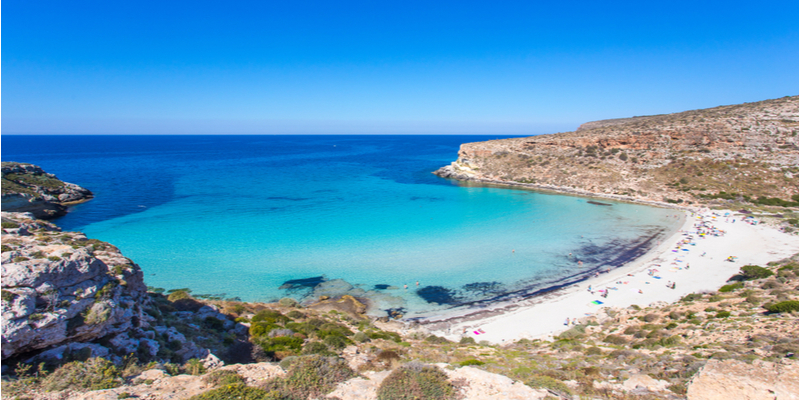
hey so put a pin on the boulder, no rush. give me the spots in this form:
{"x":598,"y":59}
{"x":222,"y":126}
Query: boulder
{"x":732,"y":379}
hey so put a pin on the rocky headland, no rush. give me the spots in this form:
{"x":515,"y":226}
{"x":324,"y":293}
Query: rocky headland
{"x":746,"y":153}
{"x":64,"y":295}
{"x":28,"y":188}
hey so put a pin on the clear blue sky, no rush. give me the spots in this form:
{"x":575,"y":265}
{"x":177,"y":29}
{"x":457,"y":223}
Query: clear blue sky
{"x":523,"y":67}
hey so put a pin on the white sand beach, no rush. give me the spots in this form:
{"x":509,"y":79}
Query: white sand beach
{"x":544,"y":316}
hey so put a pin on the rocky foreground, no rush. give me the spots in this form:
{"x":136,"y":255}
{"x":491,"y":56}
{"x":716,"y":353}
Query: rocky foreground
{"x":28,"y":188}
{"x":746,"y":152}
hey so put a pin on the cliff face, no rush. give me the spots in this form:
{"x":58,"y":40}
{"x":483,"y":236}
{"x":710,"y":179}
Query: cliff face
{"x":60,"y":287}
{"x":66,"y":296}
{"x":28,"y":188}
{"x":747,"y":149}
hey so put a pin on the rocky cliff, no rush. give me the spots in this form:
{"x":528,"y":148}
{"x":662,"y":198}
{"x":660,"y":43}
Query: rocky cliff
{"x":28,"y":188}
{"x":64,"y":295}
{"x":746,"y":151}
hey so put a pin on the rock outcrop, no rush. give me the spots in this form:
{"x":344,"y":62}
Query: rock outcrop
{"x":68,"y":297}
{"x":60,"y":287}
{"x":732,"y":379}
{"x":746,"y":150}
{"x":28,"y":188}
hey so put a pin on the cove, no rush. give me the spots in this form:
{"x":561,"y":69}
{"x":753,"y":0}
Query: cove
{"x":240,"y":216}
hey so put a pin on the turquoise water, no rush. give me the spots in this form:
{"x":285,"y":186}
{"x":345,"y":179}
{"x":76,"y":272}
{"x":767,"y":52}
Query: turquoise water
{"x":239,"y":216}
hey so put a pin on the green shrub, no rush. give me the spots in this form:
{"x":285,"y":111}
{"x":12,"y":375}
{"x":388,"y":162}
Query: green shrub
{"x":471,"y":361}
{"x":336,"y":342}
{"x":572,"y":333}
{"x":387,"y":356}
{"x":783,"y":307}
{"x":675,"y":315}
{"x":360,"y":337}
{"x":669,"y":341}
{"x":237,"y":392}
{"x":287,"y":302}
{"x":317,"y":348}
{"x":312,"y":377}
{"x":7,"y":296}
{"x":280,"y":346}
{"x":179,"y":295}
{"x":753,"y":299}
{"x":593,"y":351}
{"x":93,"y":374}
{"x":546,"y":382}
{"x":651,"y":317}
{"x":751,"y":272}
{"x":771,"y":284}
{"x":294,"y":314}
{"x":466,"y":340}
{"x":384,"y":335}
{"x":223,"y":377}
{"x":715,"y":298}
{"x":9,"y":225}
{"x":791,"y":267}
{"x":415,"y":381}
{"x":614,"y":339}
{"x":194,"y":367}
{"x":5,"y":248}
{"x":671,"y":325}
{"x":723,"y":314}
{"x":433,"y":339}
{"x":731,"y":287}
{"x":213,"y":323}
{"x":20,"y":259}
{"x":692,"y":297}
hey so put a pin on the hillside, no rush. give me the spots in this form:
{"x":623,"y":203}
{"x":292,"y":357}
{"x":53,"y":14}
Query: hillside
{"x":746,"y":153}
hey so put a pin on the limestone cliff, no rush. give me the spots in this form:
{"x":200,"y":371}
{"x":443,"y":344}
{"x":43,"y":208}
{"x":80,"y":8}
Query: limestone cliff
{"x":28,"y":188}
{"x":64,"y":294}
{"x":746,"y":151}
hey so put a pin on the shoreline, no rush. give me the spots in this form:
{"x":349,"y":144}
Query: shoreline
{"x":450,"y":173}
{"x":542,"y":316}
{"x":494,"y":305}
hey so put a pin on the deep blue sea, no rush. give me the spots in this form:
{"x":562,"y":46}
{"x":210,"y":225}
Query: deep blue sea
{"x":240,"y":216}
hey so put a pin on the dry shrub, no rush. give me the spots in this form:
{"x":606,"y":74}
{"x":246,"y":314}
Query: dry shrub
{"x":93,"y":374}
{"x":416,"y":381}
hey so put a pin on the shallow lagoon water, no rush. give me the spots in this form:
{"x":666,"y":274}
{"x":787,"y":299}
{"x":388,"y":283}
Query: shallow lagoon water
{"x":238,"y":216}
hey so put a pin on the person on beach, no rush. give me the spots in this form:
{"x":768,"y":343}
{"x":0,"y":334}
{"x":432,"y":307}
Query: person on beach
{"x":566,"y":322}
{"x":574,"y":321}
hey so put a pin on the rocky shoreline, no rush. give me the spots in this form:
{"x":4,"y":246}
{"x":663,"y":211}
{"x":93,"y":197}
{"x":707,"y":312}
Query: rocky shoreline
{"x":28,"y":188}
{"x":461,"y":172}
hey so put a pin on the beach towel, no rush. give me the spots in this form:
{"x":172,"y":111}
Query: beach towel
{"x":657,"y":277}
{"x":598,"y":302}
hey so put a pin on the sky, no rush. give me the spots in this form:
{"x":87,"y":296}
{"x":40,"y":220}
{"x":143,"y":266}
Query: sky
{"x":380,"y":67}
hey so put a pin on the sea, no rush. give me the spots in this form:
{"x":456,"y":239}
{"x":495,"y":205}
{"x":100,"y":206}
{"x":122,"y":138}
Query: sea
{"x":260,"y":218}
